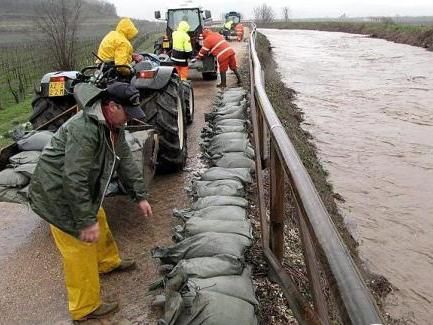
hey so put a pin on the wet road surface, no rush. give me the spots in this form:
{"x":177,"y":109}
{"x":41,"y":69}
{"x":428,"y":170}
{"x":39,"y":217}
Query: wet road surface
{"x":31,"y":278}
{"x":368,"y":104}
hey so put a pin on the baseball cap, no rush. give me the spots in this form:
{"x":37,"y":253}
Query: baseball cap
{"x":128,"y":96}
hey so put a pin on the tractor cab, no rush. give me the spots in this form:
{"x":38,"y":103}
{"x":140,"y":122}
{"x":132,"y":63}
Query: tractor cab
{"x":195,"y":17}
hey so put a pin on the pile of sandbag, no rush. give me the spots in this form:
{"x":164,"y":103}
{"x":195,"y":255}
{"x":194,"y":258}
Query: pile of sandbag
{"x":15,"y":178}
{"x":207,"y":280}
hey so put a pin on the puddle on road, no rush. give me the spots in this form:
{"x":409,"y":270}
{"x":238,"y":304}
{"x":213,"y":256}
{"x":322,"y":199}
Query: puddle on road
{"x":17,"y":223}
{"x":368,"y":104}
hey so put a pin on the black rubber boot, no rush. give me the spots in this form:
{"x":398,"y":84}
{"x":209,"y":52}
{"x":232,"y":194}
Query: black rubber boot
{"x":223,"y":83}
{"x":238,"y":76}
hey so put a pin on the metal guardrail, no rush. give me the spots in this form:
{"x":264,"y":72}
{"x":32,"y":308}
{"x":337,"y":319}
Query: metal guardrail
{"x":318,"y":232}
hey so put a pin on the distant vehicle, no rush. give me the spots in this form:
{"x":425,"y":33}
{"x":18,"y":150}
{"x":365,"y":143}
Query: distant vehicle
{"x":196,"y":19}
{"x":235,"y":17}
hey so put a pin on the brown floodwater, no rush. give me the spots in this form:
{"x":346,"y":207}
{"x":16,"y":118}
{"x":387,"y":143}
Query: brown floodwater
{"x":368,"y":104}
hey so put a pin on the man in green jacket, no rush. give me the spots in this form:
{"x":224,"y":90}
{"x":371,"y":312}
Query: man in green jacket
{"x":69,"y":185}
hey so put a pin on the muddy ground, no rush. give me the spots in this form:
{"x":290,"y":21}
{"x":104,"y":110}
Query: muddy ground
{"x":31,"y":280}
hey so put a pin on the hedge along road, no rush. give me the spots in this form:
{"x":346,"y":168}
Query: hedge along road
{"x":31,"y":277}
{"x":367,"y":104}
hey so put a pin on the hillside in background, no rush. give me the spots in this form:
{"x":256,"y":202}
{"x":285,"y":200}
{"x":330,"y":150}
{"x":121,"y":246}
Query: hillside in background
{"x":24,"y":9}
{"x":98,"y":17}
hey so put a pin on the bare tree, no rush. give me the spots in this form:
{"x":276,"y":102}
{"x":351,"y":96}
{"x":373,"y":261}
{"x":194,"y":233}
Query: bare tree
{"x":59,"y":21}
{"x":264,"y":14}
{"x":286,"y":13}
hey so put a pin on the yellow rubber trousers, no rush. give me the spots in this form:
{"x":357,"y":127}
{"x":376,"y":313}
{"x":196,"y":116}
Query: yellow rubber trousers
{"x":82,"y":263}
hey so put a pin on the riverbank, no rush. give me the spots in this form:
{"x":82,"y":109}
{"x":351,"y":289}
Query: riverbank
{"x":415,"y":35}
{"x":291,"y":117}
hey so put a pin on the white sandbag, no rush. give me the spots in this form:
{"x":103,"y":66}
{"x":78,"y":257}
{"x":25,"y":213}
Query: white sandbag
{"x":10,"y":178}
{"x":26,"y":169}
{"x":35,"y":141}
{"x":11,"y":194}
{"x":25,"y":157}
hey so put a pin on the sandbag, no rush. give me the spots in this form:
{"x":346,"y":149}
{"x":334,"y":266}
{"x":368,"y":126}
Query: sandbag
{"x":35,"y":141}
{"x":11,"y":194}
{"x":133,"y":143}
{"x":234,"y":160}
{"x":10,"y":178}
{"x":228,"y":136}
{"x":208,"y":267}
{"x":237,"y":286}
{"x":212,"y":308}
{"x":214,"y":173}
{"x":219,"y":200}
{"x":230,"y":122}
{"x":196,"y":226}
{"x":230,"y":128}
{"x":25,"y":157}
{"x":228,"y":212}
{"x":203,"y":245}
{"x":223,"y":187}
{"x":230,"y":145}
{"x":26,"y":169}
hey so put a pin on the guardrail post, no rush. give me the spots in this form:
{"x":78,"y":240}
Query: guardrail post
{"x":277,"y":204}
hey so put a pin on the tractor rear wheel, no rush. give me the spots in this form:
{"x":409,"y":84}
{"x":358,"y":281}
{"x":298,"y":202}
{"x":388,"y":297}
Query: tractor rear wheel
{"x":46,"y":109}
{"x":164,"y":110}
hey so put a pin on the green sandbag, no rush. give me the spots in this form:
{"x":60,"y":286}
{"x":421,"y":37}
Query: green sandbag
{"x":208,"y":267}
{"x":215,"y":173}
{"x":212,"y":308}
{"x":237,"y":286}
{"x":227,"y":212}
{"x":196,"y":226}
{"x":203,"y":245}
{"x":219,"y":200}
{"x":224,"y":187}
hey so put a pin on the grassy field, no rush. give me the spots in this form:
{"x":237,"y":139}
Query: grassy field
{"x":11,"y":117}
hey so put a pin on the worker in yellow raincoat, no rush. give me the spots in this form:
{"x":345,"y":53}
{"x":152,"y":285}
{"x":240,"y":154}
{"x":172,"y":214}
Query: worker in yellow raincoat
{"x":116,"y":45}
{"x":182,"y":49}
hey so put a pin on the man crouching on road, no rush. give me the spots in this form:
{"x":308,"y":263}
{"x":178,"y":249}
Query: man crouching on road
{"x":69,"y":184}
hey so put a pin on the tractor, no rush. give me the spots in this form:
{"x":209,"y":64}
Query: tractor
{"x":235,"y":18}
{"x":196,"y":18}
{"x":162,"y":98}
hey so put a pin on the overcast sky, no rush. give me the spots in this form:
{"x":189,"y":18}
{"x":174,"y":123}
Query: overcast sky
{"x":299,"y":8}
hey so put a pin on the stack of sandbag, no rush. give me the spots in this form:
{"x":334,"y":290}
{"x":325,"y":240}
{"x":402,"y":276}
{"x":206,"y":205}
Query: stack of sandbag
{"x":208,"y":281}
{"x":15,"y":178}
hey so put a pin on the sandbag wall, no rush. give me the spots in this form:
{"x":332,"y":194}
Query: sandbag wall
{"x":15,"y":178}
{"x":207,"y":280}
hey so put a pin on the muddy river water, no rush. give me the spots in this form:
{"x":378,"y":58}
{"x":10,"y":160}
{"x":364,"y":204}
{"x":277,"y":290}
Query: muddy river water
{"x":369,"y":105}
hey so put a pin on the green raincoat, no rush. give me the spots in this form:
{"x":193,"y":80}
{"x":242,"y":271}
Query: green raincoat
{"x":72,"y":175}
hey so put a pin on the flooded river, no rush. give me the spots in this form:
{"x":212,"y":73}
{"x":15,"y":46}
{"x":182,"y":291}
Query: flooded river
{"x":369,"y":105}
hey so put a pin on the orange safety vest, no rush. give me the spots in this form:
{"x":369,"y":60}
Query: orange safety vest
{"x":215,"y":44}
